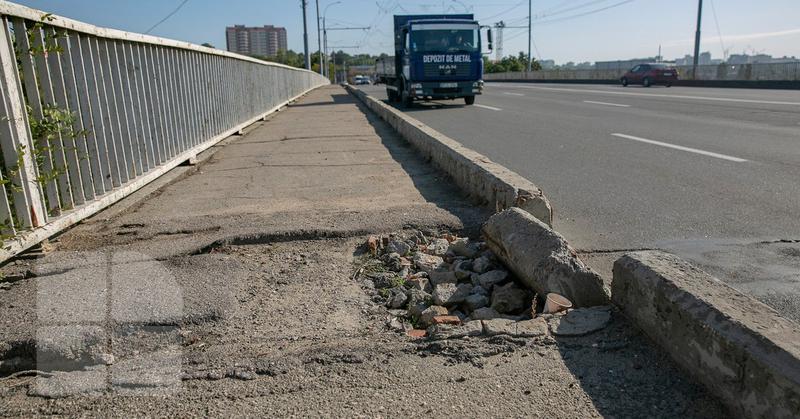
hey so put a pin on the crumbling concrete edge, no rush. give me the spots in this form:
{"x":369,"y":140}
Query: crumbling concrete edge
{"x":743,"y":351}
{"x":481,"y":178}
{"x":542,"y":259}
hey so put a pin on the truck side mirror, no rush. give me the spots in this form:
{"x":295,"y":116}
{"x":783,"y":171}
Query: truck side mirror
{"x":490,"y":41}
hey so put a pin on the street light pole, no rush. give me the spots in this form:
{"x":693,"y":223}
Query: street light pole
{"x":304,"y":3}
{"x":697,"y":39}
{"x":325,"y":34}
{"x":319,"y":40}
{"x":333,"y":55}
{"x":530,"y":26}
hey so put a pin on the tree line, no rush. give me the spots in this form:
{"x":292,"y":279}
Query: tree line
{"x":291,"y":58}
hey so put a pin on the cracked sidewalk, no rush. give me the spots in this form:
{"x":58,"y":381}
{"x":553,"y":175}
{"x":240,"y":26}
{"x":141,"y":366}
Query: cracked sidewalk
{"x":256,"y":248}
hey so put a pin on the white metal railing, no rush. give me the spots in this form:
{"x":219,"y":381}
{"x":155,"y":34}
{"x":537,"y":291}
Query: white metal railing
{"x":91,"y":114}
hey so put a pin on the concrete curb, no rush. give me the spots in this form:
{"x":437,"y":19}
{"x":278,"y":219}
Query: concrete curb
{"x":480,"y":177}
{"x":740,"y":349}
{"x":542,"y":259}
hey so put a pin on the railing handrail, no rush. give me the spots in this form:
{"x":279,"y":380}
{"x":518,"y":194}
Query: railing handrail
{"x":17,"y":10}
{"x":92,"y":114}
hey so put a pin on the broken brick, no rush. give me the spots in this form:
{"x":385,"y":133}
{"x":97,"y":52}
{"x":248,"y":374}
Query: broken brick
{"x":372,"y":243}
{"x":446,"y":320}
{"x":416,"y":333}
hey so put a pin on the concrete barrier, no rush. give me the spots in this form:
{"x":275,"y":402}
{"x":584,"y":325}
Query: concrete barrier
{"x":729,"y":84}
{"x":739,"y":348}
{"x":480,"y":177}
{"x":542,"y":259}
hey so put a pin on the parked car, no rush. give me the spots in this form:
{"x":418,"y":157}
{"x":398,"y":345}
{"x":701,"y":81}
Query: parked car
{"x":361,"y":79}
{"x":650,"y":74}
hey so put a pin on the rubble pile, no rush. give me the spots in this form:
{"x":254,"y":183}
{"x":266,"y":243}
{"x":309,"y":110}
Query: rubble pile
{"x":444,"y":286}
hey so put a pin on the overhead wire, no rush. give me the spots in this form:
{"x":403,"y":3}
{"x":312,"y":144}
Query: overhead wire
{"x":172,"y":13}
{"x":719,"y":32}
{"x":569,"y":9}
{"x":503,"y":12}
{"x":542,"y":22}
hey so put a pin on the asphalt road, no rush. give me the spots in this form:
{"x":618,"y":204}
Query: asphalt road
{"x":712,"y":175}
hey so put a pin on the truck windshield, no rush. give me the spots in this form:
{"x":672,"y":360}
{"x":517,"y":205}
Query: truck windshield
{"x":444,"y":40}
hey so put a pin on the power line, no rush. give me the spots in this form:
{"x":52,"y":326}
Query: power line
{"x":536,"y":48}
{"x":503,"y":12}
{"x":719,"y":32}
{"x":560,"y":5}
{"x":168,"y":16}
{"x":569,"y":9}
{"x":518,"y":34}
{"x":586,"y":13}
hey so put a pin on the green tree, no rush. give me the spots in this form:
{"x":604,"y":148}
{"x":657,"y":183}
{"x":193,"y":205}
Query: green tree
{"x":510,"y":64}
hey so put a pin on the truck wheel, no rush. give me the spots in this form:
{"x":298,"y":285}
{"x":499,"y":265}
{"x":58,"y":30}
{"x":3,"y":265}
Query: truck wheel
{"x":407,"y":100}
{"x":469,"y":100}
{"x":391,"y":95}
{"x":398,"y":94}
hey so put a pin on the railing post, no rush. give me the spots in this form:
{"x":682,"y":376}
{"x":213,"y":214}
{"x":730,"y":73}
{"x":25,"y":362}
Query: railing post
{"x":16,"y":143}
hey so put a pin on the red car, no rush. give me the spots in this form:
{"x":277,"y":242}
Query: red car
{"x":650,"y":74}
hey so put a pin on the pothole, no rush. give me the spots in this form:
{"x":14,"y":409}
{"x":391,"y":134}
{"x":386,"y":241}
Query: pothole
{"x":441,"y":286}
{"x":279,"y":237}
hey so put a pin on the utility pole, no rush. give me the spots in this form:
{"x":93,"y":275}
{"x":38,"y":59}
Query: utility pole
{"x":325,"y":35}
{"x":500,"y":26}
{"x":697,"y":39}
{"x":499,"y":40}
{"x":530,"y":26}
{"x":333,"y":55}
{"x":304,"y":3}
{"x":319,"y":41}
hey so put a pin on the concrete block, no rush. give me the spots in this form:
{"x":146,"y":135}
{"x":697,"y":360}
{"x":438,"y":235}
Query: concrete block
{"x":743,"y":351}
{"x":473,"y":172}
{"x":541,"y":258}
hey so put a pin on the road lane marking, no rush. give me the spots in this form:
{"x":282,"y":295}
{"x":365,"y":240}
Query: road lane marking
{"x":606,"y":104}
{"x":682,"y":148}
{"x":513,"y":94}
{"x":488,"y":107}
{"x":716,"y":99}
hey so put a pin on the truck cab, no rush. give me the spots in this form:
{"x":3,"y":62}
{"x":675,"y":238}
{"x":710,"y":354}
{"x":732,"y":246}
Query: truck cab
{"x":436,"y":57}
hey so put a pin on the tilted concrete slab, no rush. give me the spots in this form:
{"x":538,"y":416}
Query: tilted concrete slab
{"x":741,"y":349}
{"x":542,"y":259}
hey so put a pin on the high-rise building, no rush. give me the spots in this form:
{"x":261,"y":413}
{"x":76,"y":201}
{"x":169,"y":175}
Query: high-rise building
{"x":264,"y":41}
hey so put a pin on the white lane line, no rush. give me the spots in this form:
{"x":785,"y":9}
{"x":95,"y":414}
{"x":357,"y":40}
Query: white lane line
{"x":606,"y":104}
{"x":513,"y":94}
{"x":682,"y":148}
{"x":488,"y":107}
{"x":716,"y":99}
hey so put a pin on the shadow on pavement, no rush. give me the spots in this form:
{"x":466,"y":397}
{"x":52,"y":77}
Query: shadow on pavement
{"x":433,"y":184}
{"x":338,"y":99}
{"x":626,"y":375}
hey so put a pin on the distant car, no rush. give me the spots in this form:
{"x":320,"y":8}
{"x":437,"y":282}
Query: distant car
{"x":361,"y":80}
{"x":650,"y":74}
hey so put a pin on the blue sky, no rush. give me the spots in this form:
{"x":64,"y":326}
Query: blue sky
{"x":634,"y":28}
